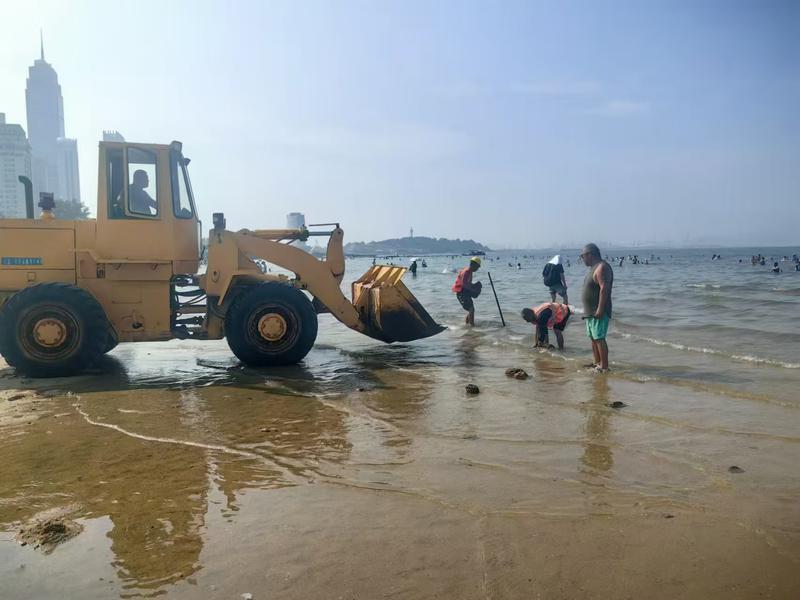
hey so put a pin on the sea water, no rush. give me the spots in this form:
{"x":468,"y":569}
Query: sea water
{"x":683,"y":318}
{"x":187,"y":468}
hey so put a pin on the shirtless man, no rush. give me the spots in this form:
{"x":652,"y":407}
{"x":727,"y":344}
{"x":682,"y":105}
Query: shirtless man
{"x":597,"y":303}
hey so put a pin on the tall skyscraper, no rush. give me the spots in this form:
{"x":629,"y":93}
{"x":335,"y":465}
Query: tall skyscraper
{"x":15,"y":160}
{"x":54,"y":157}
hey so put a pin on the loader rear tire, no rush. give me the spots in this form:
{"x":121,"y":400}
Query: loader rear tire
{"x":52,"y":330}
{"x":271,"y":324}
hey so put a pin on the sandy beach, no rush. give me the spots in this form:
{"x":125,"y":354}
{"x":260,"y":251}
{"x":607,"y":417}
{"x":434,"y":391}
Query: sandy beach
{"x":190,"y":475}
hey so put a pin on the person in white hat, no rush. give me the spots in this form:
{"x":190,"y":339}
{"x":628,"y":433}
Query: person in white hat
{"x":553,"y":275}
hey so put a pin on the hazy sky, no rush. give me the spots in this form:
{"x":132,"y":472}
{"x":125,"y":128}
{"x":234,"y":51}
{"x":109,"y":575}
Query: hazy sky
{"x":517,"y":123}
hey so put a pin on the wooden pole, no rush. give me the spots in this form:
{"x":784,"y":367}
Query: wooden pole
{"x":500,"y":310}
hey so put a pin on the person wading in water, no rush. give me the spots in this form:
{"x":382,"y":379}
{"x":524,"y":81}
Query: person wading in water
{"x":550,"y":315}
{"x":465,"y":290}
{"x":553,"y":275}
{"x":597,"y":303}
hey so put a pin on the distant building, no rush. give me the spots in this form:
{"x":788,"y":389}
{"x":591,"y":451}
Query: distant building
{"x":15,"y":160}
{"x":112,"y":136}
{"x":54,"y":158}
{"x":68,"y":186}
{"x":296,"y":220}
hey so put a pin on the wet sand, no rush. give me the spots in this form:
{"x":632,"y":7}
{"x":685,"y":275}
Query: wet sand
{"x":381,"y":478}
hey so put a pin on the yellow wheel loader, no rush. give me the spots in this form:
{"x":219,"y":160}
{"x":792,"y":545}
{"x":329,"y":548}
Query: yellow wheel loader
{"x":71,"y":290}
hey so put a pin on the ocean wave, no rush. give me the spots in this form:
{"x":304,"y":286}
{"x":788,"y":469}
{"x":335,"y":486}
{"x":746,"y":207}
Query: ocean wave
{"x":750,"y":358}
{"x":710,"y":286}
{"x":787,"y":292}
{"x":729,"y":333}
{"x":750,"y":286}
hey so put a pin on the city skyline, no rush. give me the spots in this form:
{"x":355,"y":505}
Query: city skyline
{"x":54,"y":157}
{"x":514,"y":113}
{"x":15,"y":161}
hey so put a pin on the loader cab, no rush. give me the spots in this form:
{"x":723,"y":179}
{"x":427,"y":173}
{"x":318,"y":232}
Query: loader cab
{"x":145,"y":205}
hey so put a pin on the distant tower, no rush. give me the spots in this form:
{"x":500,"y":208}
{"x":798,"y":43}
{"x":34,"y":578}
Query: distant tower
{"x":110,"y":135}
{"x":54,"y":157}
{"x":411,"y":233}
{"x":296,"y":220}
{"x":15,"y":160}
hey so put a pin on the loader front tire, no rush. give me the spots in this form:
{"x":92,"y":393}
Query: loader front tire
{"x":271,"y":324}
{"x":52,"y":330}
{"x":111,"y":341}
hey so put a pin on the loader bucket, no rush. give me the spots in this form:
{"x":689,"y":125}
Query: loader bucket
{"x":387,"y":310}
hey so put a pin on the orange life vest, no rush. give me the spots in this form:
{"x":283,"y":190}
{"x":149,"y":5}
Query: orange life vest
{"x":458,"y":286}
{"x":558,"y":312}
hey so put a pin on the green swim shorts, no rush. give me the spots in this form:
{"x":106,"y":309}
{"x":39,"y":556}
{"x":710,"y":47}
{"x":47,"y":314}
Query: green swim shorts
{"x":596,"y":329}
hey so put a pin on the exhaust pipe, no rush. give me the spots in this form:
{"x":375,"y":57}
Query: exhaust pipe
{"x":28,"y":195}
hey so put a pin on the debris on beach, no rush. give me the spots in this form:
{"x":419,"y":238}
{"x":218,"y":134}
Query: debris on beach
{"x":616,"y":404}
{"x":472,"y":388}
{"x":14,"y":395}
{"x":517,"y":373}
{"x":735,"y":469}
{"x":48,"y":529}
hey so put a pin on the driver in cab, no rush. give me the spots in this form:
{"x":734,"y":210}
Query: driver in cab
{"x":140,"y":201}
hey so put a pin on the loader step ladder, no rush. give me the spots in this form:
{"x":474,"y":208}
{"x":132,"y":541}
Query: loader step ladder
{"x":188,"y":307}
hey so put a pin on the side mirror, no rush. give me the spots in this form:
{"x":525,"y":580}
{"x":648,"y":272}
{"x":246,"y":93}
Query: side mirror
{"x":219,"y":221}
{"x":186,"y":161}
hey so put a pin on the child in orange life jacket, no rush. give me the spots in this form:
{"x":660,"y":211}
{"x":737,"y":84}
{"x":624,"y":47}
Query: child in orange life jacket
{"x":465,"y":290}
{"x":550,"y":315}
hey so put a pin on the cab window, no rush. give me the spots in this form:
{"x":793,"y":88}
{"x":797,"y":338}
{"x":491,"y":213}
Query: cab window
{"x":142,"y":183}
{"x":181,"y":196}
{"x":115,"y":176}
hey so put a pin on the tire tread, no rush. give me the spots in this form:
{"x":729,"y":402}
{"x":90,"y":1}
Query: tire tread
{"x":91,"y":313}
{"x":247,"y":300}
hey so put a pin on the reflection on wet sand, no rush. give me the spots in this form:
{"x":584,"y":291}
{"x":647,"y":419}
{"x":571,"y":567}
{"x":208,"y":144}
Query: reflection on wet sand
{"x":153,"y":493}
{"x":146,"y":448}
{"x":155,"y":490}
{"x":597,"y":454}
{"x":550,"y":369}
{"x":466,"y":350}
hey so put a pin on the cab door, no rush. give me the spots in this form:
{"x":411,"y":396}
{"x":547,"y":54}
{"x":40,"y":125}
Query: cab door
{"x":131,"y":267}
{"x":134,"y":209}
{"x":186,"y":230}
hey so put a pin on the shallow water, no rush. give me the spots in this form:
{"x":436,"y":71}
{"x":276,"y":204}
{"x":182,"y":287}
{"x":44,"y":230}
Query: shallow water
{"x":368,"y":472}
